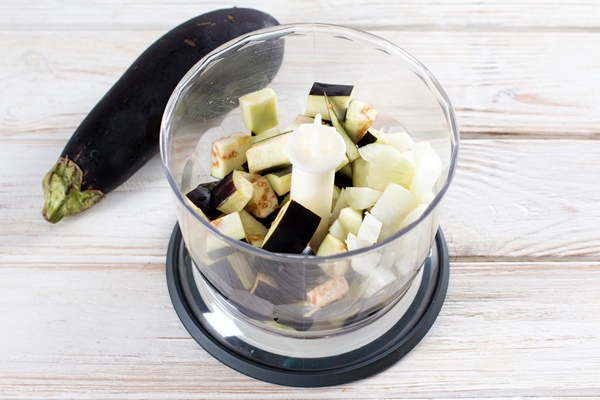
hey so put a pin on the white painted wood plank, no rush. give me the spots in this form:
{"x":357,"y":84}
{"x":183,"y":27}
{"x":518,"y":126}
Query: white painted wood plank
{"x":515,"y":200}
{"x":525,"y":84}
{"x":506,"y":330}
{"x":411,"y":14}
{"x":529,"y":199}
{"x":135,"y":220}
{"x":53,"y":79}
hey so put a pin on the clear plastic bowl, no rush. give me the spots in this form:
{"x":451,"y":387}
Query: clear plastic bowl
{"x":289,"y":59}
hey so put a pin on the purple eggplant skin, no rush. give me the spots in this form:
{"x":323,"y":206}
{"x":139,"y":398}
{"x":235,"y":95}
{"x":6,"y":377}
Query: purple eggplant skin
{"x":121,"y":133}
{"x":223,"y":190}
{"x":342,"y":180}
{"x":319,"y":89}
{"x":368,"y":138}
{"x":201,"y":198}
{"x":293,"y":229}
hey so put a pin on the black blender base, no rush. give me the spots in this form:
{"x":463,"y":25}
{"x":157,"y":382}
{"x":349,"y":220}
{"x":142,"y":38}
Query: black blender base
{"x":357,"y":364}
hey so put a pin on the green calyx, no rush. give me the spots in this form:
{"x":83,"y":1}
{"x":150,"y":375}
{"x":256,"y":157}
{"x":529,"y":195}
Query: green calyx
{"x":62,"y":192}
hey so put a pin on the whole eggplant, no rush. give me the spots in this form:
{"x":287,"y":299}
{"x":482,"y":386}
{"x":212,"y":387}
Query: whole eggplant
{"x":121,"y":133}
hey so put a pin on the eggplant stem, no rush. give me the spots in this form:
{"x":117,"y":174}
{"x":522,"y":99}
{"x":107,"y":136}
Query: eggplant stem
{"x":62,"y":191}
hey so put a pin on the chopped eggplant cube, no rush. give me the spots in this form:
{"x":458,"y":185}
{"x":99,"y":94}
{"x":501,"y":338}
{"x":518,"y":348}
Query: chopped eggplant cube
{"x":201,"y":198}
{"x":229,"y":153}
{"x":229,"y":225}
{"x":291,"y":274}
{"x":269,"y":289}
{"x":331,"y":90}
{"x":232,"y":193}
{"x":293,"y":278}
{"x":240,"y":266}
{"x":231,"y":272}
{"x":342,"y":180}
{"x":328,"y":292}
{"x":292,"y":229}
{"x":255,"y":231}
{"x":359,"y":118}
{"x":268,"y":155}
{"x":339,"y":96}
{"x":264,"y":200}
{"x":281,"y":180}
{"x":259,"y":110}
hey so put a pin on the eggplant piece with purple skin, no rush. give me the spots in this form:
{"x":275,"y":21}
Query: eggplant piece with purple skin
{"x":255,"y":231}
{"x":284,"y":284}
{"x":230,"y":273}
{"x":292,"y":276}
{"x":342,"y":180}
{"x":359,"y":118}
{"x":331,"y":89}
{"x":281,"y":180}
{"x":273,"y":291}
{"x":264,"y":200}
{"x":368,"y":138}
{"x":232,"y":193}
{"x":201,"y":196}
{"x":343,"y":177}
{"x":292,"y":229}
{"x":121,"y":133}
{"x":268,"y":155}
{"x":339,"y":96}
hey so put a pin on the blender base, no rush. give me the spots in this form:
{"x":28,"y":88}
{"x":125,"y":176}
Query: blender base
{"x":372,"y":358}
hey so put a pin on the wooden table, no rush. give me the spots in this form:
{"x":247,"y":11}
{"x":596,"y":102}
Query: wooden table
{"x":84,"y":307}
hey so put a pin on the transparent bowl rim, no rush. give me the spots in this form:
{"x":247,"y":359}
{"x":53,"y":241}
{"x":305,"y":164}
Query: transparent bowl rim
{"x":280,"y":31}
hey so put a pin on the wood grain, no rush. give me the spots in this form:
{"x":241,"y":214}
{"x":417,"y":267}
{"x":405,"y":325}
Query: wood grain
{"x":525,"y":200}
{"x":438,"y":15}
{"x":506,"y":330}
{"x":496,"y":87}
{"x":142,"y":204}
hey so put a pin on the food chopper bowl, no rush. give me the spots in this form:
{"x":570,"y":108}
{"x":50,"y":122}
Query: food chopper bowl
{"x":204,"y":107}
